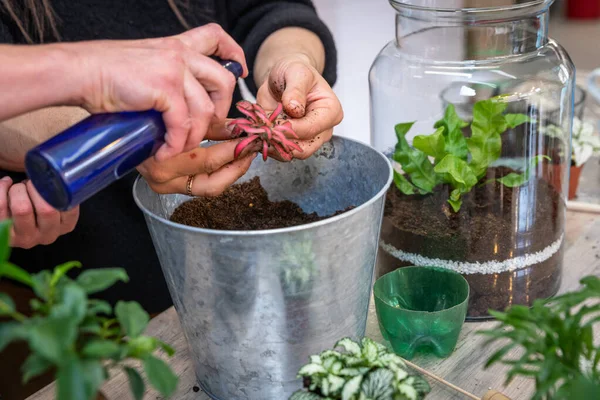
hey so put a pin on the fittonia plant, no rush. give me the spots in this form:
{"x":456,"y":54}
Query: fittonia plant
{"x":585,"y":142}
{"x":447,"y":157}
{"x":260,"y":126}
{"x":363,"y":371}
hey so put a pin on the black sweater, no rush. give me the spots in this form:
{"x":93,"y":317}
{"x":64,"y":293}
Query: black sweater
{"x":111,"y":231}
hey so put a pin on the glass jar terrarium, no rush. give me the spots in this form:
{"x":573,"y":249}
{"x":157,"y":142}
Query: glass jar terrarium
{"x":474,"y":106}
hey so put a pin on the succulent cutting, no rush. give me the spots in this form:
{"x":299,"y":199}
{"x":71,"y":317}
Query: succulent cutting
{"x":260,"y":126}
{"x":365,"y":370}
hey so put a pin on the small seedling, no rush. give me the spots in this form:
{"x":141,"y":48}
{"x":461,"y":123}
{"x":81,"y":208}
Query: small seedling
{"x":268,"y":128}
{"x":364,"y":370}
{"x":80,"y":338}
{"x":447,"y":157}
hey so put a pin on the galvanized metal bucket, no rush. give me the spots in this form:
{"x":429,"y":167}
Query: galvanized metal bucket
{"x":254,"y":305}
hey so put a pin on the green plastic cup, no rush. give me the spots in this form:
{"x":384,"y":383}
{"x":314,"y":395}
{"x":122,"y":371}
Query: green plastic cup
{"x":421,"y":309}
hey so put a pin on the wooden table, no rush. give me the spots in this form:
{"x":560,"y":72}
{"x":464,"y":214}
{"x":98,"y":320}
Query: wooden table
{"x":463,"y":368}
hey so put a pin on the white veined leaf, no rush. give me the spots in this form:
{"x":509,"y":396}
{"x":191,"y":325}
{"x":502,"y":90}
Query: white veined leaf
{"x":401,"y":374}
{"x":352,"y":388}
{"x":408,"y":391}
{"x":335,"y":383}
{"x":325,"y":387}
{"x":350,"y":346}
{"x":312,"y":369}
{"x":315,"y":360}
{"x":353,"y":371}
{"x":330,"y":353}
{"x":391,"y":358}
{"x":370,"y":351}
{"x":378,"y":385}
{"x":336,"y":367}
{"x":354,"y":361}
{"x":328,"y":363}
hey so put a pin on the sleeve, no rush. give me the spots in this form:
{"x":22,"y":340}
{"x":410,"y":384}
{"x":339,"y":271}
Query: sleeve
{"x":6,"y":36}
{"x":252,"y":21}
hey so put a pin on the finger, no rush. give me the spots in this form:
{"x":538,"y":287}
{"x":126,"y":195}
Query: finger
{"x":322,"y":115}
{"x":211,"y":39}
{"x":47,"y":218}
{"x":216,"y":80}
{"x":21,"y":211}
{"x":266,"y":99}
{"x":5,"y":184}
{"x":198,"y":161}
{"x":209,"y":184}
{"x":309,"y":147}
{"x":176,"y":118}
{"x":297,"y":81}
{"x":68,"y":220}
{"x":201,"y":110}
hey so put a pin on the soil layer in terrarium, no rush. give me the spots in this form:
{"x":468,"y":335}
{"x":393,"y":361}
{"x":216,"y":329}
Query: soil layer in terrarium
{"x":245,"y":207}
{"x":495,"y":223}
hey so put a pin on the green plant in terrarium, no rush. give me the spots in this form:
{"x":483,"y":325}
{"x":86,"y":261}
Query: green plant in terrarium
{"x":448,"y":157}
{"x":298,"y":266}
{"x":80,"y":338}
{"x":585,"y":142}
{"x":554,"y":343}
{"x":364,"y":370}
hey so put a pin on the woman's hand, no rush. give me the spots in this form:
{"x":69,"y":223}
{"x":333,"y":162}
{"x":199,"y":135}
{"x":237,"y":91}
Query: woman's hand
{"x":203,"y":171}
{"x":35,"y":222}
{"x":306,"y":97}
{"x":173,"y":75}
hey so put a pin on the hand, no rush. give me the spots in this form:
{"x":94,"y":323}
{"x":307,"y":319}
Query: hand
{"x":172,"y":75}
{"x":306,"y":97}
{"x":34,"y":221}
{"x":213,"y":169}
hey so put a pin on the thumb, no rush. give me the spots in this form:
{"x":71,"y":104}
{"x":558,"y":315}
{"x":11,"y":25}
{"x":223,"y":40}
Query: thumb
{"x":298,"y":81}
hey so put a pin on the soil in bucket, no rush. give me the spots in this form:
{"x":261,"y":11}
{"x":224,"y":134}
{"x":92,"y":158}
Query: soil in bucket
{"x":244,"y":206}
{"x":496,"y":224}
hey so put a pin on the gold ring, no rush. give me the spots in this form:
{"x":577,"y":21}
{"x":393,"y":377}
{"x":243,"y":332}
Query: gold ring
{"x":188,"y":187}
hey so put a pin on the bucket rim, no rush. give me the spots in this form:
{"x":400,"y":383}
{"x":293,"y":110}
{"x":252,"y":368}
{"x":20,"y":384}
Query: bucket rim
{"x":264,"y":232}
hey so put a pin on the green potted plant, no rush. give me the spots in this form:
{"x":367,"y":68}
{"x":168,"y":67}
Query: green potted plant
{"x":585,"y":143}
{"x":457,"y":204}
{"x":555,"y":339}
{"x":363,"y":370}
{"x":80,"y":338}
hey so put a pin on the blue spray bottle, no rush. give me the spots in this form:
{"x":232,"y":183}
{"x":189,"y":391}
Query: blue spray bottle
{"x":81,"y":161}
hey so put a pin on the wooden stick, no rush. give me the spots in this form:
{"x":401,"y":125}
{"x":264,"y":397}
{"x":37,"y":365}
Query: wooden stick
{"x":583,"y":207}
{"x":442,"y":381}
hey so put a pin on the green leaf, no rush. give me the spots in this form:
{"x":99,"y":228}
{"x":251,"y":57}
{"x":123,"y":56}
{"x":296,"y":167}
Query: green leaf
{"x":70,"y":381}
{"x":378,"y":384}
{"x":100,"y":348}
{"x":140,"y":346}
{"x":514,"y":120}
{"x":160,"y":375}
{"x":513,"y":179}
{"x":52,"y":338}
{"x":484,"y":151}
{"x":485,"y":143}
{"x":455,"y":200}
{"x":97,"y":280}
{"x":456,"y":144}
{"x":94,"y":376}
{"x":5,"y":226}
{"x":71,"y":304}
{"x":11,"y":332}
{"x":166,"y":348}
{"x":132,"y":318}
{"x":456,"y":172}
{"x":34,"y":366}
{"x":41,"y":284}
{"x":7,"y":305}
{"x":96,"y":307}
{"x":403,"y":184}
{"x":433,"y":145}
{"x":420,"y":170}
{"x":311,"y":369}
{"x":62,"y":270}
{"x":15,"y":273}
{"x":401,"y":131}
{"x":451,"y":121}
{"x":136,"y":383}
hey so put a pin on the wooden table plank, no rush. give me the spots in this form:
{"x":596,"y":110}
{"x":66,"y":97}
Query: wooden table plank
{"x":464,"y":367}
